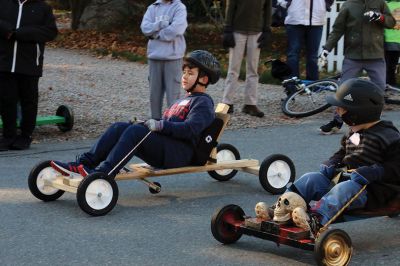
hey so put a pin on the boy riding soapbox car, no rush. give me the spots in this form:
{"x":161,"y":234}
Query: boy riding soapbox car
{"x":97,"y":193}
{"x":331,"y":246}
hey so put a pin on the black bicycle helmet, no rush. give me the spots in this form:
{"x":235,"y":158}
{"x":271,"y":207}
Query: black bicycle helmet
{"x":362,"y":99}
{"x":206,"y":62}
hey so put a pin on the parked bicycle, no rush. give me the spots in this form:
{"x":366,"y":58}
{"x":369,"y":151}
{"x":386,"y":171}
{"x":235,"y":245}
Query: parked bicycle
{"x":309,"y":97}
{"x":306,"y":98}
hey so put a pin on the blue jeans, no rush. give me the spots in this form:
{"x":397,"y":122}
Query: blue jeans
{"x":109,"y":154}
{"x":315,"y":186}
{"x":297,"y":36}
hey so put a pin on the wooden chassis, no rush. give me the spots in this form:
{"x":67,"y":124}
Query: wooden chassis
{"x":143,"y":171}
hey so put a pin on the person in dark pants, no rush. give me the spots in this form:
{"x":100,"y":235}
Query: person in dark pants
{"x":25,"y":27}
{"x":172,"y":140}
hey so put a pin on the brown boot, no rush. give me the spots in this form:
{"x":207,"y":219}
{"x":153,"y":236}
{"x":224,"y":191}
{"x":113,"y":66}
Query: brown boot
{"x":252,"y":110}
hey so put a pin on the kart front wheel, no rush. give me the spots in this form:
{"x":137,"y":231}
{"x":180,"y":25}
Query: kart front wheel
{"x":38,"y":176}
{"x":224,"y":221}
{"x":97,"y":194}
{"x":333,"y":247}
{"x":225,"y":152}
{"x":276,"y":171}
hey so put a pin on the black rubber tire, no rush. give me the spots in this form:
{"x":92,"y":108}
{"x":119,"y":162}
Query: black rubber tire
{"x":32,"y":183}
{"x":392,"y":95}
{"x":153,"y":191}
{"x":329,"y":240}
{"x":223,"y":230}
{"x":81,"y":194}
{"x":316,"y":105}
{"x":235,"y":152}
{"x":68,"y":114}
{"x":263,"y":173}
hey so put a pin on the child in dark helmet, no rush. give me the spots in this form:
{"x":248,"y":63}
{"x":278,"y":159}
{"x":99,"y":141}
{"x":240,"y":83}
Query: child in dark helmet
{"x":371,"y":149}
{"x":173,"y":138}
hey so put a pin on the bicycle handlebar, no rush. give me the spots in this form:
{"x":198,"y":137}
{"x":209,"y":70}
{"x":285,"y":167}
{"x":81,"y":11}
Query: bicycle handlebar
{"x":295,"y":79}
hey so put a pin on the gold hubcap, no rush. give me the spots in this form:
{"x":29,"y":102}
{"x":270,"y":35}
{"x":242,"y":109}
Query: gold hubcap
{"x":337,"y":251}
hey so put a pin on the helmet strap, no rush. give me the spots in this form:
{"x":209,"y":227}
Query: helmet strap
{"x":195,"y":84}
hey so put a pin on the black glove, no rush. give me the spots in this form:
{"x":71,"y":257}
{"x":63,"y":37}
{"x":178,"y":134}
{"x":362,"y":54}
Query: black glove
{"x":264,"y":40}
{"x":228,"y":40}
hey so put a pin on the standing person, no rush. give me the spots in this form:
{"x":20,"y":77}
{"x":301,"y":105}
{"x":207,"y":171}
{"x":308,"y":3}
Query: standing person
{"x":392,"y":44}
{"x":247,"y":26}
{"x":304,"y":24}
{"x":25,"y":27}
{"x":362,"y":22}
{"x":164,"y":23}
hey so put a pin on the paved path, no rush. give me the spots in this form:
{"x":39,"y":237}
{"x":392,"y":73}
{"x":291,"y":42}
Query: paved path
{"x":173,"y":227}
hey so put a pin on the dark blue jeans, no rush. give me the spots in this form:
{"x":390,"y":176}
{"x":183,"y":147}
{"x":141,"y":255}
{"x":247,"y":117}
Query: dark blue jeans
{"x":310,"y":37}
{"x":108,"y":154}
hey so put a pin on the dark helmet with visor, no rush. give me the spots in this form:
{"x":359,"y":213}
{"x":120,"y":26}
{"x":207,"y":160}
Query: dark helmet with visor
{"x":206,"y":62}
{"x":362,"y":99}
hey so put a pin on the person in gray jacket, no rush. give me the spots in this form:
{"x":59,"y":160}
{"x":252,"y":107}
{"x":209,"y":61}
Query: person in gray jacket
{"x":164,"y":23}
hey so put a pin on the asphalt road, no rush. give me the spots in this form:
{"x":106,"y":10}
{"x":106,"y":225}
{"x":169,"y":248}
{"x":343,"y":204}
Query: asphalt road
{"x":172,"y":227}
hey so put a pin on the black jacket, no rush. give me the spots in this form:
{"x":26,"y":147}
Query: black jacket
{"x":387,"y":136}
{"x":23,"y":52}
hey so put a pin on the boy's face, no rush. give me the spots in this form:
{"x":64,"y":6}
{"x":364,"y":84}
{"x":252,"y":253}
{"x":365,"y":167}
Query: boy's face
{"x":189,"y":77}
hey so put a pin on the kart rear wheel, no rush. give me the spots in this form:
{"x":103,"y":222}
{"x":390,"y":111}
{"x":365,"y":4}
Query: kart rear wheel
{"x":276,"y":171}
{"x":222,"y":223}
{"x":97,"y":194}
{"x":225,"y":152}
{"x":333,"y":248}
{"x":66,"y":112}
{"x":39,"y":174}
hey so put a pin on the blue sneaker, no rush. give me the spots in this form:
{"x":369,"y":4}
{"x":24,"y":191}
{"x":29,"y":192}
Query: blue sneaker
{"x":66,"y":169}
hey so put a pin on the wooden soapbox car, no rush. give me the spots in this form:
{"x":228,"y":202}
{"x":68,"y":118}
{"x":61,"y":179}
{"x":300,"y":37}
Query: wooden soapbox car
{"x":97,"y":193}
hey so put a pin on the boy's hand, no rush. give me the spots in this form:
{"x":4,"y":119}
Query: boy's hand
{"x":228,"y":40}
{"x":322,"y":61}
{"x":367,"y":174}
{"x":328,"y":171}
{"x":154,"y":125}
{"x":373,"y":16}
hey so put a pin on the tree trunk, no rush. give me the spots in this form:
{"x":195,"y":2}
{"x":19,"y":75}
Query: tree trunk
{"x":77,"y":7}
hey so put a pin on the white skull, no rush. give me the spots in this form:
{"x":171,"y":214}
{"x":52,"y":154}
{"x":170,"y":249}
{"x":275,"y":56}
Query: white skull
{"x":286,"y":204}
{"x":261,"y":210}
{"x":301,"y":218}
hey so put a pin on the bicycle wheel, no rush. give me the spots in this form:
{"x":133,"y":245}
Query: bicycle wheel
{"x":309,"y":100}
{"x":392,"y":95}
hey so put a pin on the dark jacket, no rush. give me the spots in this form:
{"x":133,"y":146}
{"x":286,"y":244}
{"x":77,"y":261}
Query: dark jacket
{"x":387,"y":137}
{"x":362,"y":39}
{"x":248,"y":16}
{"x":23,"y":52}
{"x":184,"y":121}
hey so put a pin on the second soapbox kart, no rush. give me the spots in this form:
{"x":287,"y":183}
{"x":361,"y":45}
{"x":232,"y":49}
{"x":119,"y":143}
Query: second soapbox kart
{"x":97,"y":193}
{"x":331,"y":246}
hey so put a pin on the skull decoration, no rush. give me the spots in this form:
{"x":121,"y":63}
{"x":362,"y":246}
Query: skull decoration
{"x":286,"y":204}
{"x":300,"y":218}
{"x":262,"y":211}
